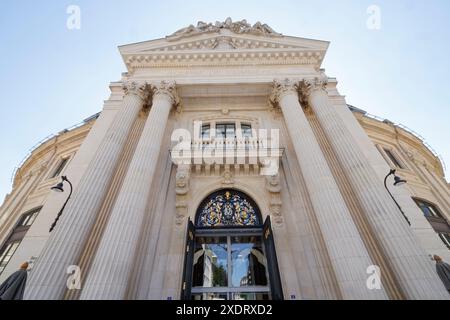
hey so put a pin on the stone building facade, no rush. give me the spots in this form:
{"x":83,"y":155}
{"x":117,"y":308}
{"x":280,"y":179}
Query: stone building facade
{"x":297,"y":210}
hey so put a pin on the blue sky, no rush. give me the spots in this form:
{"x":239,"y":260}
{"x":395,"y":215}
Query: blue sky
{"x":52,"y":77}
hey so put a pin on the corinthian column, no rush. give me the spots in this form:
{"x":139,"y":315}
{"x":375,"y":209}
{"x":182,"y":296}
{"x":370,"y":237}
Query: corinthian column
{"x":48,"y":276}
{"x":410,"y":263}
{"x":348,"y":255}
{"x":113,"y":262}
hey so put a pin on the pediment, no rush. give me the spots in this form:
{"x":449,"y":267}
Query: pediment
{"x":223,"y":46}
{"x":225,"y":42}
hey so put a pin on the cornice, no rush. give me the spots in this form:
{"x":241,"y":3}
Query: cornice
{"x":387,"y":130}
{"x":40,"y":151}
{"x":224,"y":44}
{"x":219,"y":41}
{"x":224,"y":58}
{"x":386,"y":134}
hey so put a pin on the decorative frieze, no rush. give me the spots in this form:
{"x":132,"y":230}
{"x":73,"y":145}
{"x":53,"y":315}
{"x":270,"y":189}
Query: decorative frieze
{"x":245,"y":57}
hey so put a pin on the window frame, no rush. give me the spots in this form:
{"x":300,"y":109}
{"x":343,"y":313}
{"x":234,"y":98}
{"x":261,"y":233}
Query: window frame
{"x":31,"y":215}
{"x":248,"y":129}
{"x":238,"y":129}
{"x":445,"y":237}
{"x":437,"y":221}
{"x":435,"y":209}
{"x":60,"y":166}
{"x":393,"y":157}
{"x":203,"y":130}
{"x":18,"y":232}
{"x":7,"y":252}
{"x":226,"y":125}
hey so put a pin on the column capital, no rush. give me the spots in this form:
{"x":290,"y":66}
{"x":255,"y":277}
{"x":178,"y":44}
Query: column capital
{"x":308,"y":86}
{"x":281,"y":88}
{"x":167,"y":89}
{"x":139,"y":88}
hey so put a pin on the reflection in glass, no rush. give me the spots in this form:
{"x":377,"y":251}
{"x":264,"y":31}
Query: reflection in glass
{"x":225,"y":130}
{"x":205,"y":131}
{"x":249,"y":296}
{"x":248,"y":263}
{"x":209,"y":296}
{"x":246,"y":131}
{"x":235,"y":263}
{"x":210,"y":262}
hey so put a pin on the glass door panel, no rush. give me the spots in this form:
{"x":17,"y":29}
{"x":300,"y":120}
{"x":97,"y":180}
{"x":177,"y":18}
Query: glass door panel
{"x":210,"y":262}
{"x":248,"y":262}
{"x":232,"y":267}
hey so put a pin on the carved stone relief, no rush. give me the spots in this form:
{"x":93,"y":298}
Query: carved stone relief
{"x":238,"y":27}
{"x":181,"y":190}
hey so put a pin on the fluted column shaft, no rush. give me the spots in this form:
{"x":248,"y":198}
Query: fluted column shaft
{"x":113,"y":262}
{"x":48,"y":277}
{"x":347,"y":252}
{"x":410,"y":263}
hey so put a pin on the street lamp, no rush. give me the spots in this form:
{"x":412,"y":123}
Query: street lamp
{"x":60,"y":188}
{"x":397,"y":182}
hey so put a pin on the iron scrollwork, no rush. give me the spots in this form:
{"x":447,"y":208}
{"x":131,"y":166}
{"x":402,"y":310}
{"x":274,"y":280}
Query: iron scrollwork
{"x":228,"y":208}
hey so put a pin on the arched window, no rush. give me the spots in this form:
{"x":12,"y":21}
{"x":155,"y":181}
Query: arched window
{"x":228,"y":208}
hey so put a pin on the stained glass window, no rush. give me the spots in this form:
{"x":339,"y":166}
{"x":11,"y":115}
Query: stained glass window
{"x":228,"y":208}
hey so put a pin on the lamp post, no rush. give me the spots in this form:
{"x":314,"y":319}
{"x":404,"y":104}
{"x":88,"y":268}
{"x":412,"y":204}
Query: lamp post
{"x":60,"y":188}
{"x":397,"y":182}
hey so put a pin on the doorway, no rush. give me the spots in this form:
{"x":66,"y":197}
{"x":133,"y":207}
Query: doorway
{"x":230,"y":253}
